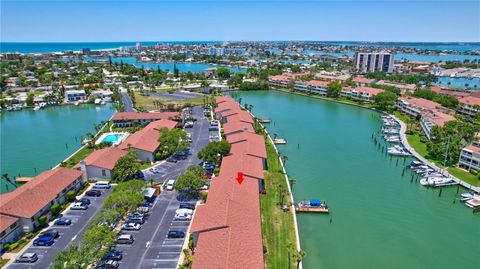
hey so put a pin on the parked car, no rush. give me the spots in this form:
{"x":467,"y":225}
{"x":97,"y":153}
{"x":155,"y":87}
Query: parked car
{"x":139,"y":174}
{"x":28,"y":257}
{"x":172,"y":159}
{"x":154,"y":170}
{"x":113,"y":254}
{"x":79,"y":206}
{"x":43,"y":240}
{"x":107,"y":264}
{"x":102,"y":185}
{"x":93,"y":193}
{"x":85,"y":201}
{"x":187,"y":206}
{"x":175,"y":234}
{"x":136,"y":214}
{"x":63,"y":221}
{"x":135,"y":219}
{"x":143,"y":209}
{"x":51,"y":232}
{"x":125,"y":239}
{"x":188,"y":124}
{"x":169,"y":185}
{"x":131,"y":226}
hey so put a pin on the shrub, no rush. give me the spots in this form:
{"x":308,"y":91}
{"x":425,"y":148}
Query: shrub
{"x":71,"y":195}
{"x":474,"y":172}
{"x":42,"y":220}
{"x":55,"y":209}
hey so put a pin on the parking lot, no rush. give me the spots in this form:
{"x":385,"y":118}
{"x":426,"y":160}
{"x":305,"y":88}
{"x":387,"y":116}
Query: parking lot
{"x":151,"y":247}
{"x":68,"y":234}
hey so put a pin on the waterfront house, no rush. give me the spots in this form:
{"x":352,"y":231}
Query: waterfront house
{"x":468,"y":105}
{"x":100,"y":163}
{"x":75,"y":95}
{"x":133,"y":119}
{"x":236,"y":126}
{"x":313,"y":86}
{"x":145,"y":141}
{"x":470,"y":157}
{"x":362,"y":94}
{"x":21,"y":209}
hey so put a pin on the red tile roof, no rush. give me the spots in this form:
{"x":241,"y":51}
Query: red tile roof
{"x":222,"y":99}
{"x":30,"y":198}
{"x":242,"y":116}
{"x":144,"y":115}
{"x":250,"y":165}
{"x":252,"y":143}
{"x":237,"y":126}
{"x":469,"y":100}
{"x":147,"y":138}
{"x":447,"y":91}
{"x":104,"y":158}
{"x":6,"y":221}
{"x":420,"y":102}
{"x":363,"y":80}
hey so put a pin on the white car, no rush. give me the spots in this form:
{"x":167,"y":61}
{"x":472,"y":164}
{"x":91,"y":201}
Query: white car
{"x":79,"y":206}
{"x":169,"y":185}
{"x":129,"y":226}
{"x":183,"y":217}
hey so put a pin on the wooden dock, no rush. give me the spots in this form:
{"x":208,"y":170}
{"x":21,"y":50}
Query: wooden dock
{"x":264,"y":121}
{"x":279,"y":141}
{"x":312,"y":209}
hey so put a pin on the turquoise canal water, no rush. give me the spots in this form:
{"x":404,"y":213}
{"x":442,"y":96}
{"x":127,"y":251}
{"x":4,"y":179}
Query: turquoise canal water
{"x":378,"y":219}
{"x":33,"y":141}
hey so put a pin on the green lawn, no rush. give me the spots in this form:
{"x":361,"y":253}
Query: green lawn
{"x":419,"y":146}
{"x":464,"y":176}
{"x":3,"y":262}
{"x":80,"y":155}
{"x":278,"y":228}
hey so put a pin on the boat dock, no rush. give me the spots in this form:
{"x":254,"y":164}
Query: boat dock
{"x":280,"y":141}
{"x":264,"y":121}
{"x":312,"y":209}
{"x":403,"y":137}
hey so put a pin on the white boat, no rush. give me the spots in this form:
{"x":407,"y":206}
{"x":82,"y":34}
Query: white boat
{"x":398,"y":151}
{"x":36,"y":108}
{"x":390,"y":131}
{"x":415,"y":164}
{"x":466,"y":196}
{"x":437,"y":181}
{"x":393,"y":139}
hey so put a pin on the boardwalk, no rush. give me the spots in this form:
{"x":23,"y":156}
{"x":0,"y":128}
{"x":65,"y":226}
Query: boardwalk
{"x":403,"y":129}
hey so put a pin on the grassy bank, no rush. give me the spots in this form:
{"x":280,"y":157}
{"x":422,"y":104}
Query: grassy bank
{"x":415,"y":141}
{"x":148,"y":102}
{"x":278,"y":228}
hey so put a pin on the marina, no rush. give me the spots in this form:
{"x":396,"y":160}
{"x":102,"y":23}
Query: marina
{"x":349,"y":172}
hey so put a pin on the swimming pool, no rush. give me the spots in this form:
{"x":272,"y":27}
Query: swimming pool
{"x":114,"y":138}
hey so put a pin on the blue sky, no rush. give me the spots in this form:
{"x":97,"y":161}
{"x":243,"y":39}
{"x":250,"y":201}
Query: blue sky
{"x":159,"y":20}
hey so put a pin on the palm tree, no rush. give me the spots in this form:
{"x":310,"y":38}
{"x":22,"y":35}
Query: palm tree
{"x":240,"y":100}
{"x":275,"y":135}
{"x":284,"y":159}
{"x":300,"y":255}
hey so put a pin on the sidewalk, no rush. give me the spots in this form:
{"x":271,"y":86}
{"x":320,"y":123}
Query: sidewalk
{"x":403,"y":129}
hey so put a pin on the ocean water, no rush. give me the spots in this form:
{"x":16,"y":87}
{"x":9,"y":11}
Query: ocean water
{"x":39,"y":47}
{"x":33,"y":141}
{"x":379,"y":218}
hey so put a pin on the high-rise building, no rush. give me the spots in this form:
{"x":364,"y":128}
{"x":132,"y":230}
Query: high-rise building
{"x":374,"y":61}
{"x":138,"y":46}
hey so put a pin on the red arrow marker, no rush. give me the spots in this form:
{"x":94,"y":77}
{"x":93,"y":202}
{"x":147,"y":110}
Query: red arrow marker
{"x":240,"y":177}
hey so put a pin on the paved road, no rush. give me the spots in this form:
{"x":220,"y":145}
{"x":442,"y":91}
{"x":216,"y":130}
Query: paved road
{"x":127,"y":102}
{"x":151,"y":248}
{"x":68,"y":234}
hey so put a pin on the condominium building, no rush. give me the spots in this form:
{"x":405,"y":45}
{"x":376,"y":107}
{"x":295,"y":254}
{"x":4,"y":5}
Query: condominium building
{"x":363,"y":94}
{"x":284,"y":80}
{"x":470,"y":157}
{"x":313,"y":86}
{"x":374,"y":61}
{"x":428,"y":112}
{"x":468,"y":105}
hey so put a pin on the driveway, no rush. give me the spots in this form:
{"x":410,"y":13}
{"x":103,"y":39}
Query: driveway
{"x":68,"y":234}
{"x":151,"y":248}
{"x":127,"y":102}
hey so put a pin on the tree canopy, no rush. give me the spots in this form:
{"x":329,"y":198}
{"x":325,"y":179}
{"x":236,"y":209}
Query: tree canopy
{"x":385,"y":101}
{"x":334,"y":88}
{"x":211,"y":152}
{"x":191,"y":180}
{"x":126,"y":167}
{"x":171,"y":141}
